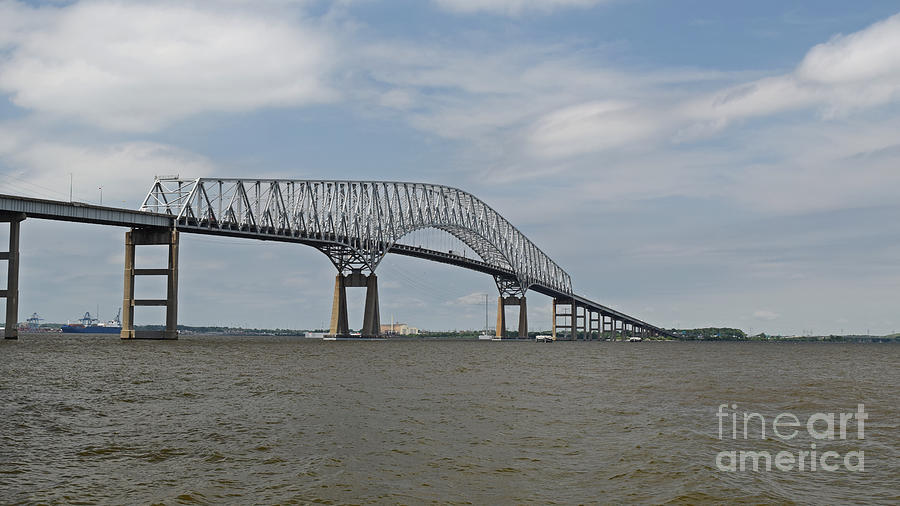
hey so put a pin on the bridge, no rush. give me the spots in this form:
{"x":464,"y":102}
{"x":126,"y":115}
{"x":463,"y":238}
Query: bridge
{"x":354,"y":223}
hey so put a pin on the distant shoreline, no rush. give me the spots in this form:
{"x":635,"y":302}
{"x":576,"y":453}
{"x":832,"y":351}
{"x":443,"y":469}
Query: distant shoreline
{"x":186,"y":330}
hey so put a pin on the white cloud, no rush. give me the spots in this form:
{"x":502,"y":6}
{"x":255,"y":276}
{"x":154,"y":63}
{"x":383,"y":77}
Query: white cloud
{"x":843,"y":75}
{"x":590,"y":127}
{"x":525,"y":99}
{"x":18,"y":20}
{"x":136,"y":67}
{"x":765,"y":314}
{"x":514,"y":7}
{"x":848,"y":74}
{"x":778,"y":143}
{"x":125,"y":170}
{"x":471,"y":299}
{"x":864,"y":56}
{"x":554,"y":102}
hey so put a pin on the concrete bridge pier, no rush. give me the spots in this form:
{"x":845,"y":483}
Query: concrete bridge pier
{"x":556,"y":316}
{"x":580,"y":322}
{"x":339,"y":325}
{"x":573,"y":323}
{"x":11,"y":293}
{"x":578,"y":319}
{"x":553,"y":318}
{"x":512,"y":300}
{"x":147,"y":237}
{"x":371,"y":315}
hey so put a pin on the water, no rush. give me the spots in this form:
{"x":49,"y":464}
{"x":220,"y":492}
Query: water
{"x":91,"y":419}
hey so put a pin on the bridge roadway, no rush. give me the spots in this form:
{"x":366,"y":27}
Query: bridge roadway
{"x":14,"y":209}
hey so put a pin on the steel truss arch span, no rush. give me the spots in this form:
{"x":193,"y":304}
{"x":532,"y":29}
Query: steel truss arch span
{"x":357,"y":220}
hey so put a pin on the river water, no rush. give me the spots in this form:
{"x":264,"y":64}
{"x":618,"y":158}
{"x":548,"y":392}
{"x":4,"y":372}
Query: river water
{"x":92,"y":419}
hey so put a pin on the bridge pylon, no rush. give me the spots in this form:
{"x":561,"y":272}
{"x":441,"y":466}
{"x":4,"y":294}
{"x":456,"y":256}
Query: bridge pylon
{"x":512,"y":293}
{"x":512,"y":300}
{"x":355,"y":269}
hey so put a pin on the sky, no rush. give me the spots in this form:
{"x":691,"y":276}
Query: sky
{"x":691,"y":163}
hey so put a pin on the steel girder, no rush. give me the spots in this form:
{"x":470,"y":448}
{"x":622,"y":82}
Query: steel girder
{"x":356,"y":222}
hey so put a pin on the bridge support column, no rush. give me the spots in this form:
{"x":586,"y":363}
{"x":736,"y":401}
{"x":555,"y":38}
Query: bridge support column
{"x":12,"y":276}
{"x":586,"y":323}
{"x":501,"y":318}
{"x":523,"y":318}
{"x":339,"y":325}
{"x":565,"y":326}
{"x":371,"y":316}
{"x":574,"y":323}
{"x":553,"y":316}
{"x":595,"y":323}
{"x":144,"y":237}
{"x":512,"y":300}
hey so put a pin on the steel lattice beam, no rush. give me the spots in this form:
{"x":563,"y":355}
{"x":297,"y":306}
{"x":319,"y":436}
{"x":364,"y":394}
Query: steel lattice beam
{"x":360,"y":219}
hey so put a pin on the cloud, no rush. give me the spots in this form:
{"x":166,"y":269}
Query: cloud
{"x":137,"y":67}
{"x":476,"y":298}
{"x":865,"y":56}
{"x":41,"y":168}
{"x":781,"y":143}
{"x":531,"y":99}
{"x":17,"y":20}
{"x":765,"y":314}
{"x":844,"y":75}
{"x":559,"y":102}
{"x":513,"y":7}
{"x":590,"y":127}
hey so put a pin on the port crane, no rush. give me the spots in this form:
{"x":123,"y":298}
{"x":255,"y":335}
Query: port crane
{"x":34,"y":321}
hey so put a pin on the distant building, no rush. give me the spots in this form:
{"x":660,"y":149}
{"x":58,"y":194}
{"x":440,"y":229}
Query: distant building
{"x":398,"y":329}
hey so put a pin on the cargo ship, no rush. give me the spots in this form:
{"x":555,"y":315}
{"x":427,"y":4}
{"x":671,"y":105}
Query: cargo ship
{"x":90,"y":325}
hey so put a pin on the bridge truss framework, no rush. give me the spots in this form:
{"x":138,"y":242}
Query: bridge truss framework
{"x":354,"y":223}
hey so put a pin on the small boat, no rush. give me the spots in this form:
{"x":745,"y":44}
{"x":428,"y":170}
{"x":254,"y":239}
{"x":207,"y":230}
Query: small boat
{"x":484,"y":336}
{"x":544,"y":338}
{"x":634,"y":339}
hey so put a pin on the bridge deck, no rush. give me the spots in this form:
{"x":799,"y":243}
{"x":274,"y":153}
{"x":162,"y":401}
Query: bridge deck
{"x":82,"y":213}
{"x":102,"y":215}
